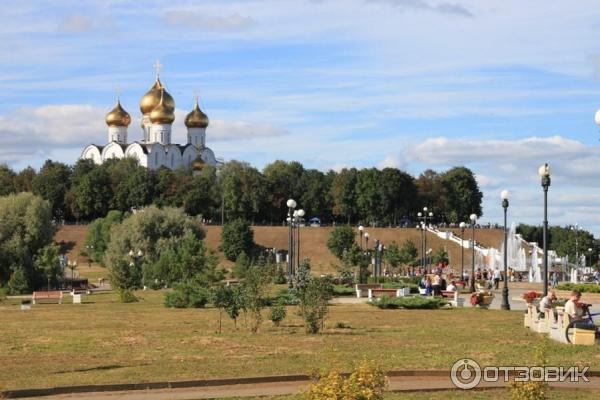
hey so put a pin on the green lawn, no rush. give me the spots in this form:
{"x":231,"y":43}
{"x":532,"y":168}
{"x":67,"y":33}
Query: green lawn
{"x":105,"y":341}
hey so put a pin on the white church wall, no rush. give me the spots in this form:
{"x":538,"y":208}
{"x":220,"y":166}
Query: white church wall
{"x":112,"y":150}
{"x":92,"y":152}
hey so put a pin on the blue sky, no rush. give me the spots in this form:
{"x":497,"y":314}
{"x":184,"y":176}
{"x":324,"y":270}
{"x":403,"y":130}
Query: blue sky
{"x":500,"y":86}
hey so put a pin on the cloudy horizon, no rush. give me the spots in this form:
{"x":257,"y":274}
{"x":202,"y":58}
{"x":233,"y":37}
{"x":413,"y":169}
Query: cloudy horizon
{"x":498,"y":86}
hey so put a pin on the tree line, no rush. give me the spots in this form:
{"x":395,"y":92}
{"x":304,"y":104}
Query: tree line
{"x":85,"y":191}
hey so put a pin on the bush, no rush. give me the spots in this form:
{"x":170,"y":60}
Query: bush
{"x":314,"y":303}
{"x":414,"y":288}
{"x":127,"y":296}
{"x":187,"y":295}
{"x":367,"y":382}
{"x":343,"y":290}
{"x":242,"y":263}
{"x":341,"y":240}
{"x":237,"y":237}
{"x":278,"y":314}
{"x":286,"y":297}
{"x":409,"y":303}
{"x":18,"y":283}
{"x":582,"y":287}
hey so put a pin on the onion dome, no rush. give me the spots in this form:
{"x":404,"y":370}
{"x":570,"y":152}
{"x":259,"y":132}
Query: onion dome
{"x":151,"y":99}
{"x":198,"y":164}
{"x":196,"y":118}
{"x":118,"y":116}
{"x":162,"y":114}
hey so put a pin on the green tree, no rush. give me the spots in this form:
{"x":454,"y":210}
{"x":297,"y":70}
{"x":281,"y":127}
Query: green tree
{"x":359,"y":259}
{"x":278,"y":313}
{"x":201,"y":193}
{"x":392,"y":255}
{"x":92,"y":195}
{"x":341,"y":239}
{"x":440,"y":257}
{"x":242,"y":263}
{"x":52,"y":183}
{"x":463,"y":196}
{"x":283,"y":181}
{"x":368,"y":195}
{"x":314,"y":307}
{"x":25,"y":227}
{"x":256,"y":291}
{"x":344,"y":194}
{"x":24,"y":180}
{"x":18,"y":282}
{"x":7,"y":180}
{"x":432,"y":192}
{"x":409,"y":253}
{"x":98,"y":235}
{"x":237,"y":237}
{"x":315,"y":198}
{"x":48,"y":263}
{"x":398,"y":194}
{"x":243,"y":191}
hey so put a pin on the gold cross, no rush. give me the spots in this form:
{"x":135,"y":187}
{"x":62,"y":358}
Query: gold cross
{"x":157,"y":67}
{"x":118,"y":92}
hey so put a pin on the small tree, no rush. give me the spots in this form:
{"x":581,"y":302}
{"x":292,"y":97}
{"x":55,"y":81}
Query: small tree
{"x":303,"y":276}
{"x":255,"y":294}
{"x":219,"y":298}
{"x":356,"y":258}
{"x":441,"y":257}
{"x":242,"y":263}
{"x":314,"y":303}
{"x":235,"y":303}
{"x":237,"y":237}
{"x":48,"y":261}
{"x":392,"y":255}
{"x":278,"y":313}
{"x":409,"y":253}
{"x":342,"y":238}
{"x":18,"y":283}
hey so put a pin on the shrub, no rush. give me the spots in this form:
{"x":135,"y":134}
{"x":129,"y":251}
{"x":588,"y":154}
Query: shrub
{"x":409,"y":303}
{"x":18,"y":283}
{"x":242,"y":262}
{"x":341,"y":240}
{"x":187,"y":295}
{"x":582,"y":287}
{"x":314,"y":303}
{"x":367,"y":382}
{"x":278,"y":314}
{"x":343,"y":290}
{"x":237,"y":237}
{"x":127,"y":296}
{"x":287,"y":297}
{"x":342,"y":325}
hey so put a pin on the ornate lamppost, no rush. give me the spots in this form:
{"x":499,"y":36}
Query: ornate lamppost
{"x":299,"y":217}
{"x":360,"y":232}
{"x":423,"y":217}
{"x":473,"y":218}
{"x":505,"y":305}
{"x":462,"y":226}
{"x":291,"y":204}
{"x":544,"y":172}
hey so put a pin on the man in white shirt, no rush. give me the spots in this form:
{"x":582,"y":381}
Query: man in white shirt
{"x":496,"y":275}
{"x":572,"y":308}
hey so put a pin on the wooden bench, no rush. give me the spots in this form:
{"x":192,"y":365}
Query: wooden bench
{"x":374,"y":293}
{"x":49,"y":296}
{"x":452,"y":295}
{"x":362,"y":288}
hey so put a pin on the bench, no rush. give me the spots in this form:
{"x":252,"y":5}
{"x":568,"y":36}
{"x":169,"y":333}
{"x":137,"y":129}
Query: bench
{"x":49,"y":296}
{"x":452,"y":295}
{"x":363,"y":288}
{"x":374,"y":293}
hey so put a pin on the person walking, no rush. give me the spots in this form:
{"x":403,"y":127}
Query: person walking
{"x":496,"y":275}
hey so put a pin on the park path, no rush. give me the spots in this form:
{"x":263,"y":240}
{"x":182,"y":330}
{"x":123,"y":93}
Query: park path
{"x":396,"y":383}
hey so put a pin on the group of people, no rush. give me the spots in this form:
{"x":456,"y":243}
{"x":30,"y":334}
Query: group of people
{"x":574,"y":308}
{"x":434,"y":286}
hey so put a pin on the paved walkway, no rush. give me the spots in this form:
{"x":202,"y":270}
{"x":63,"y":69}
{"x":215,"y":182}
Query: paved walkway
{"x":397,"y":384}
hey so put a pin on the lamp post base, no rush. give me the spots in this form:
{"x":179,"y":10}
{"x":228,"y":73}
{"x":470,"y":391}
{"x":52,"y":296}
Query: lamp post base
{"x":505,"y":305}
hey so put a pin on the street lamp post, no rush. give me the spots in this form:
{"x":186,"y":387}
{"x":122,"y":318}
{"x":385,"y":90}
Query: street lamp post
{"x":423,"y":217}
{"x":462,"y":226}
{"x":360,"y":232}
{"x":291,"y":203}
{"x":376,"y":263}
{"x":575,"y":228}
{"x":299,"y":218}
{"x":590,"y":252}
{"x":367,"y":240}
{"x":544,"y":172}
{"x":473,"y":218}
{"x":505,"y":305}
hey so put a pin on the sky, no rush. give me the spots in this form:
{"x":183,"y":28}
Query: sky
{"x":500,"y":86}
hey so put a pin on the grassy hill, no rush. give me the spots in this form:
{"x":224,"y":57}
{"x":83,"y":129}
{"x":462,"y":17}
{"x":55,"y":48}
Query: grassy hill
{"x":312,"y":242}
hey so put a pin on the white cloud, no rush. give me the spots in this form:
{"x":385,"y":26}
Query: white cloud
{"x":199,"y":20}
{"x":76,"y":23}
{"x":391,"y":161}
{"x":423,"y":5}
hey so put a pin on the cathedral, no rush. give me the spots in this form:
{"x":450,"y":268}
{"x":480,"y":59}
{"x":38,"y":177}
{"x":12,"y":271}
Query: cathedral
{"x":155,"y":149}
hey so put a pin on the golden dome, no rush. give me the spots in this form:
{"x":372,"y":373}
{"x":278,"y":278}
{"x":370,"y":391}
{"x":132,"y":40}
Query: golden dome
{"x":198,"y":164}
{"x":196,"y":118}
{"x":162,"y":114}
{"x":118,"y":116}
{"x":151,"y":99}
